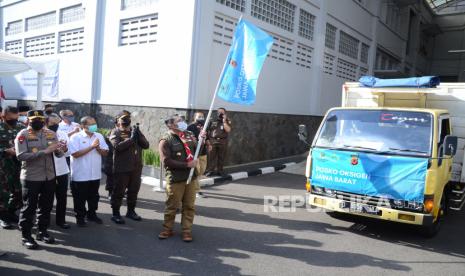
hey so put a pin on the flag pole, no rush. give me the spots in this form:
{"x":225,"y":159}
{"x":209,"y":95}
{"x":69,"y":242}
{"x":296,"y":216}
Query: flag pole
{"x":207,"y":120}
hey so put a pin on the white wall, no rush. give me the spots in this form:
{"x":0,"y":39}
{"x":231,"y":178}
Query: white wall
{"x":75,"y":68}
{"x":153,"y":74}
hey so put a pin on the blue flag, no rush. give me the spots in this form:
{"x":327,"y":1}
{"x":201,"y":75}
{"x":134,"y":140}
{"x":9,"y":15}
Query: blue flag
{"x":238,"y":82}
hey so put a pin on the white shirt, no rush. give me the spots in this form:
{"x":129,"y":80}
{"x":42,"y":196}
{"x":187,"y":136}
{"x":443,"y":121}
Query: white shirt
{"x":62,"y":126}
{"x":89,"y":166}
{"x":61,"y":166}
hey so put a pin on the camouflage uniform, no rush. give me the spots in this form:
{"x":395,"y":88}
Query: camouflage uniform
{"x":10,"y":169}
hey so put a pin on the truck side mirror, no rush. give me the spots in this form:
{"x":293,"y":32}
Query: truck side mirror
{"x":450,"y":145}
{"x":303,"y":134}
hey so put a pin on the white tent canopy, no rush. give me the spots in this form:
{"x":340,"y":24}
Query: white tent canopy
{"x":11,"y":65}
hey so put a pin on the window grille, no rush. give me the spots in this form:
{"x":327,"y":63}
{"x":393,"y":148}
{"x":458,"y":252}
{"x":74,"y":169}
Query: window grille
{"x":14,"y":27}
{"x":41,"y":21}
{"x":276,"y":12}
{"x":328,"y":64}
{"x":330,"y":39}
{"x":14,"y":47}
{"x":129,"y":4}
{"x":306,"y":24}
{"x":71,"y":41}
{"x":281,"y":49}
{"x":238,"y":5}
{"x":304,"y":56}
{"x":40,"y":46}
{"x":364,"y":53}
{"x":223,"y":29}
{"x":348,"y":45}
{"x":71,"y":14}
{"x":139,"y":30}
{"x":346,"y":70}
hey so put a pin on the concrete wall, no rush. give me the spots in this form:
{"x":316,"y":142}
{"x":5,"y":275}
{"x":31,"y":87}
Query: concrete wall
{"x":255,"y":136}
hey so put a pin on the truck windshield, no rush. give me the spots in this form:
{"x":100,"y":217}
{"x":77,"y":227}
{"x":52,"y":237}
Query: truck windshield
{"x":387,"y":131}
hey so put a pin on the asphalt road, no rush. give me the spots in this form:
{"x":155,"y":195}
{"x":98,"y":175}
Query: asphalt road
{"x":234,"y":235}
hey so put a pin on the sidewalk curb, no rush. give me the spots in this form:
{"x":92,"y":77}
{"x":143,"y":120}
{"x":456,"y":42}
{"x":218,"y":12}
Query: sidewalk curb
{"x":208,"y":182}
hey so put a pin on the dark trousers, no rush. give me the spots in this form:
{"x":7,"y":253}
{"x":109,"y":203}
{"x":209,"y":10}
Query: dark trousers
{"x":216,"y":157}
{"x":61,"y":197}
{"x":36,"y":195}
{"x":85,"y":191}
{"x":128,"y":180}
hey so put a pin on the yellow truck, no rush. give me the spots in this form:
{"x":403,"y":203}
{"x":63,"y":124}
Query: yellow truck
{"x":393,"y":153}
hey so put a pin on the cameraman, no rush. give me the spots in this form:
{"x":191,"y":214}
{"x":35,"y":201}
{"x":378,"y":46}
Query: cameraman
{"x":128,"y":143}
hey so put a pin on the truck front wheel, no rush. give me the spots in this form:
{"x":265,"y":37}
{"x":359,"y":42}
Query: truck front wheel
{"x":429,"y":231}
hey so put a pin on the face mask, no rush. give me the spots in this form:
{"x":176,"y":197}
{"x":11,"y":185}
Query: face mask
{"x":22,"y":119}
{"x":37,"y":125}
{"x":182,"y":126}
{"x":92,"y":128}
{"x":11,"y":122}
{"x":69,"y":118}
{"x":220,"y":116}
{"x":48,"y":112}
{"x":53,"y":128}
{"x":200,"y":120}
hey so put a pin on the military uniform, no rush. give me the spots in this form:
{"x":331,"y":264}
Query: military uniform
{"x":127,"y":168}
{"x":10,"y":166}
{"x":218,"y":138}
{"x":174,"y":157}
{"x":37,"y":178}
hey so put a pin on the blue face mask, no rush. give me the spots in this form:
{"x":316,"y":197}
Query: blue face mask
{"x":92,"y":128}
{"x":70,"y":118}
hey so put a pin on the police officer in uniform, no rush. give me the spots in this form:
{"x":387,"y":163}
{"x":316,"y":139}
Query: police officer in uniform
{"x":11,"y":167}
{"x":35,"y":147}
{"x":128,"y":144}
{"x":177,"y":150}
{"x":218,"y":139}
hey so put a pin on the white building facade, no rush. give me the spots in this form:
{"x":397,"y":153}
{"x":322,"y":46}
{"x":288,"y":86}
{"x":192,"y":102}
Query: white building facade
{"x":167,"y":54}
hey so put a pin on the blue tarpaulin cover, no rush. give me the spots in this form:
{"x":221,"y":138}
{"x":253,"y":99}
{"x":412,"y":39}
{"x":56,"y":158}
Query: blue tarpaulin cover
{"x":392,"y":177}
{"x":423,"y":82}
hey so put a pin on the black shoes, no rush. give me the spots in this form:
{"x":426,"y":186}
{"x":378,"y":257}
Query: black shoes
{"x":45,"y":237}
{"x":63,"y":225}
{"x":29,"y":242}
{"x":133,"y":215}
{"x":95,"y":219}
{"x":81,"y":222}
{"x":116,"y":218}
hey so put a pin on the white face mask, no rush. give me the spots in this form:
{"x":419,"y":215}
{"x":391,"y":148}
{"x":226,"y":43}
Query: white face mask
{"x":22,"y":119}
{"x":182,"y":126}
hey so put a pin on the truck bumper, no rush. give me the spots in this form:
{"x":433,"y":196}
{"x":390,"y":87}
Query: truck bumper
{"x":334,"y":204}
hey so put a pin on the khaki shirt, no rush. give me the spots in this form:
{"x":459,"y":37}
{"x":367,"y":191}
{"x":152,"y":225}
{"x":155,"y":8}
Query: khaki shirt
{"x":30,"y":146}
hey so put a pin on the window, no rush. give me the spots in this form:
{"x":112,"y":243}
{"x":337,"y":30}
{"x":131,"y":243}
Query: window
{"x":385,"y":61}
{"x":40,"y":46}
{"x":276,"y":12}
{"x":41,"y":21}
{"x":138,"y":30}
{"x":304,"y":56}
{"x":281,"y":49}
{"x":14,"y":47}
{"x":364,"y":53}
{"x":238,"y":5}
{"x":223,"y":29}
{"x":306,"y":24}
{"x":330,"y":39}
{"x":348,"y":45}
{"x":14,"y":27}
{"x":328,"y":64}
{"x":129,"y":4}
{"x":71,"y":41}
{"x":71,"y":14}
{"x":363,"y":72}
{"x":346,"y":70}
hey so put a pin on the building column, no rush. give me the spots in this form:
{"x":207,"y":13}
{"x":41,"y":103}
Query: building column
{"x":318,"y":59}
{"x":374,"y":39}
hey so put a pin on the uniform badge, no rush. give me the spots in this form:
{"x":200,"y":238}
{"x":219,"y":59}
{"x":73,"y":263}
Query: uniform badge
{"x":21,"y":139}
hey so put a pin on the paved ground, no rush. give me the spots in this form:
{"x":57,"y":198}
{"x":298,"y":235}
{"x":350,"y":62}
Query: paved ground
{"x":233,"y":235}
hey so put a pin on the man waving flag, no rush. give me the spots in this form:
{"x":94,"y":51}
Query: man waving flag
{"x":238,"y":80}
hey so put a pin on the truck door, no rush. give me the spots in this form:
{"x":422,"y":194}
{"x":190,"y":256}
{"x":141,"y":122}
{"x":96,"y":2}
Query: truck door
{"x":444,"y":162}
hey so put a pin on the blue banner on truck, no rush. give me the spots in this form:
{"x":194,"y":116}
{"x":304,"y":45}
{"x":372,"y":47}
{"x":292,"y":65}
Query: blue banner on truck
{"x":393,"y":177}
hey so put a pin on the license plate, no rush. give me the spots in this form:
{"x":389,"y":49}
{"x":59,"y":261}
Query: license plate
{"x":355,"y":207}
